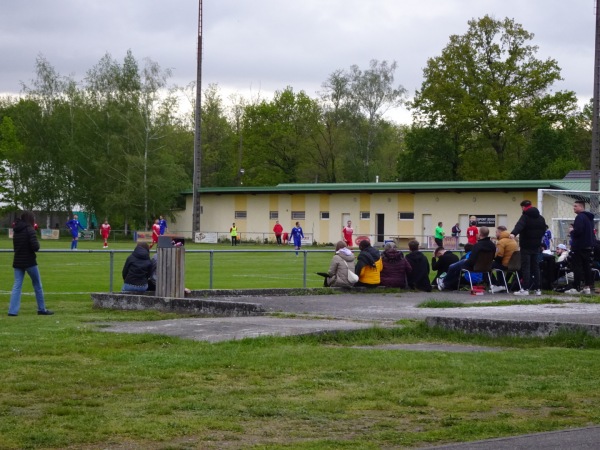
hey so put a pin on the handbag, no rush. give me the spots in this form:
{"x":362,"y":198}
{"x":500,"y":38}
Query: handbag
{"x":352,"y":277}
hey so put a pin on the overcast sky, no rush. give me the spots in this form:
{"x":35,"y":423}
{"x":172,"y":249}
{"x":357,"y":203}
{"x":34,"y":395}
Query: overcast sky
{"x":259,"y":46}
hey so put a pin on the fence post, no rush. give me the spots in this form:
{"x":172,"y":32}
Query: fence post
{"x":304,"y":275}
{"x":112,"y":267}
{"x":210,"y":271}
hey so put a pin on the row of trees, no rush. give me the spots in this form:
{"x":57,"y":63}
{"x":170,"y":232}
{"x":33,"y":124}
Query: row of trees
{"x":120,"y":143}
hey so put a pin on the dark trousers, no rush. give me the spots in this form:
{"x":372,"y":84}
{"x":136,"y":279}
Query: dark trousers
{"x":439,"y":242}
{"x":233,"y":240}
{"x":453,"y":274}
{"x":581,"y":264}
{"x":278,"y":237}
{"x":530,"y":268}
{"x":496,"y":280}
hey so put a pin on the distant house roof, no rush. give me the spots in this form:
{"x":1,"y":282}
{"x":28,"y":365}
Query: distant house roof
{"x":412,"y":187}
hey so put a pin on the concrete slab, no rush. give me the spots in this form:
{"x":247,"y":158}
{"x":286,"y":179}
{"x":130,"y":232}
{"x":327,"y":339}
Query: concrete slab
{"x":234,"y":328}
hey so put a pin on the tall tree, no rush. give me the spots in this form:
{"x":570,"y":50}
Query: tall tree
{"x":278,"y":135}
{"x":489,"y":89}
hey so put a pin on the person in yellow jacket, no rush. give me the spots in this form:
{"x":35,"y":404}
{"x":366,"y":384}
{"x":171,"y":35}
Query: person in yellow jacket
{"x":233,"y":234}
{"x":368,"y":265}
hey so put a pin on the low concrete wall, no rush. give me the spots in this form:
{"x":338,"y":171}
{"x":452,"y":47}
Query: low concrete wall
{"x":496,"y":328}
{"x":190,"y":305}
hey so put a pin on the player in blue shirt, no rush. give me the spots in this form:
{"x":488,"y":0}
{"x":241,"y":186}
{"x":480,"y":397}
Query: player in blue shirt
{"x":297,"y":236}
{"x":74,"y":226}
{"x":163,"y":225}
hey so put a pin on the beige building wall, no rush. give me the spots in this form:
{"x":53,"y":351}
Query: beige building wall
{"x":219,"y":212}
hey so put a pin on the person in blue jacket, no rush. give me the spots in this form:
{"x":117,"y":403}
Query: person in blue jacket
{"x":163,"y":225}
{"x":74,"y":226}
{"x":297,"y":234}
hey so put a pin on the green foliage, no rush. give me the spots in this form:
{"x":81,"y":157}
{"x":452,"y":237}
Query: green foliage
{"x":489,"y":91}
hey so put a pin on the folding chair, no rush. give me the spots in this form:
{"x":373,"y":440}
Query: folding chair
{"x":514,"y":265}
{"x":483,"y":264}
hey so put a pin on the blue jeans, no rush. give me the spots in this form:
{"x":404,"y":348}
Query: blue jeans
{"x":15,"y":296}
{"x":133,"y":288}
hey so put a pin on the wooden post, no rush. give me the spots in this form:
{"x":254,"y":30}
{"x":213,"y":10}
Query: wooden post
{"x":170,"y":272}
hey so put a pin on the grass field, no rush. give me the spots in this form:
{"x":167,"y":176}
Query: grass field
{"x":252,"y":266}
{"x":66,"y":385}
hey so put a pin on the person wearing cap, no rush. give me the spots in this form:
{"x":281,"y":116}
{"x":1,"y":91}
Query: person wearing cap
{"x":562,"y":253}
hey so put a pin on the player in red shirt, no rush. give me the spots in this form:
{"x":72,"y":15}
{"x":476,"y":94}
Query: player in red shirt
{"x":155,"y":232}
{"x":105,"y":232}
{"x":347,"y":233}
{"x":472,"y":233}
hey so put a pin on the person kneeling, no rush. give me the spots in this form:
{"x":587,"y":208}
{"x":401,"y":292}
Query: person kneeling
{"x":137,"y":269}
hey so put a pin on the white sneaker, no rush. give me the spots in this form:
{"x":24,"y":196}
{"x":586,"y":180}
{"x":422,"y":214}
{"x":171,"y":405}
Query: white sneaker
{"x":440,"y":284}
{"x":521,"y":292}
{"x":572,"y":291}
{"x":495,"y":289}
{"x":586,"y":291}
{"x":538,"y":292}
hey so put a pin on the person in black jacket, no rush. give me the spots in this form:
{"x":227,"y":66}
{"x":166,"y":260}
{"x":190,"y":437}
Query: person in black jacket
{"x":530,"y":228}
{"x":581,"y":249}
{"x":441,"y":261}
{"x":25,"y":245}
{"x":137,"y":269}
{"x":418,"y":278}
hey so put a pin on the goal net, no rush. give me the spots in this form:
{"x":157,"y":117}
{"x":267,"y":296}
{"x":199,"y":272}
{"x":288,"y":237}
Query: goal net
{"x":557,"y":208}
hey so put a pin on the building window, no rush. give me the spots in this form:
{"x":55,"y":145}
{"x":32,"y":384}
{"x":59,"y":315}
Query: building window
{"x":406,"y":215}
{"x":298,"y":215}
{"x":274,"y":215}
{"x":240,"y":214}
{"x":365,"y":215}
{"x":324,"y":215}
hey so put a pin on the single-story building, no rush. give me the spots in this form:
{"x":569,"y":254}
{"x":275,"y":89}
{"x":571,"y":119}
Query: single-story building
{"x":380,"y":211}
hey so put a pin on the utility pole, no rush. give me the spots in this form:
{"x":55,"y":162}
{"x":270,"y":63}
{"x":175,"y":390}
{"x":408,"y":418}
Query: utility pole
{"x":197,"y":208}
{"x":595,"y":157}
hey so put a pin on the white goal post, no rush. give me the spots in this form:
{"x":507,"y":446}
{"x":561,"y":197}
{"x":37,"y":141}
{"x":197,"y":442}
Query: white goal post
{"x":557,"y":208}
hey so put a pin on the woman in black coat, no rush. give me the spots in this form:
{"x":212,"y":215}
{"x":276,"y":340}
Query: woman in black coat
{"x":137,"y":269}
{"x":25,"y":245}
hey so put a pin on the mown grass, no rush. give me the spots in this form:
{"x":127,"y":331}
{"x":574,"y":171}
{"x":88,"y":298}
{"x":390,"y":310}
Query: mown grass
{"x":67,"y":384}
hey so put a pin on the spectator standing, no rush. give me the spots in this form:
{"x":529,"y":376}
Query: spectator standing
{"x":419,"y":277}
{"x":581,"y":249}
{"x":456,"y":230}
{"x":278,"y":230}
{"x":347,"y":233}
{"x":441,"y":261}
{"x":530,"y":228}
{"x":396,"y":268}
{"x":472,"y":233}
{"x":439,"y":234}
{"x":137,"y":269}
{"x":368,"y":265}
{"x":105,"y":232}
{"x":74,"y":226}
{"x":163,"y":225}
{"x":297,"y":234}
{"x":233,"y":233}
{"x":25,"y":246}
